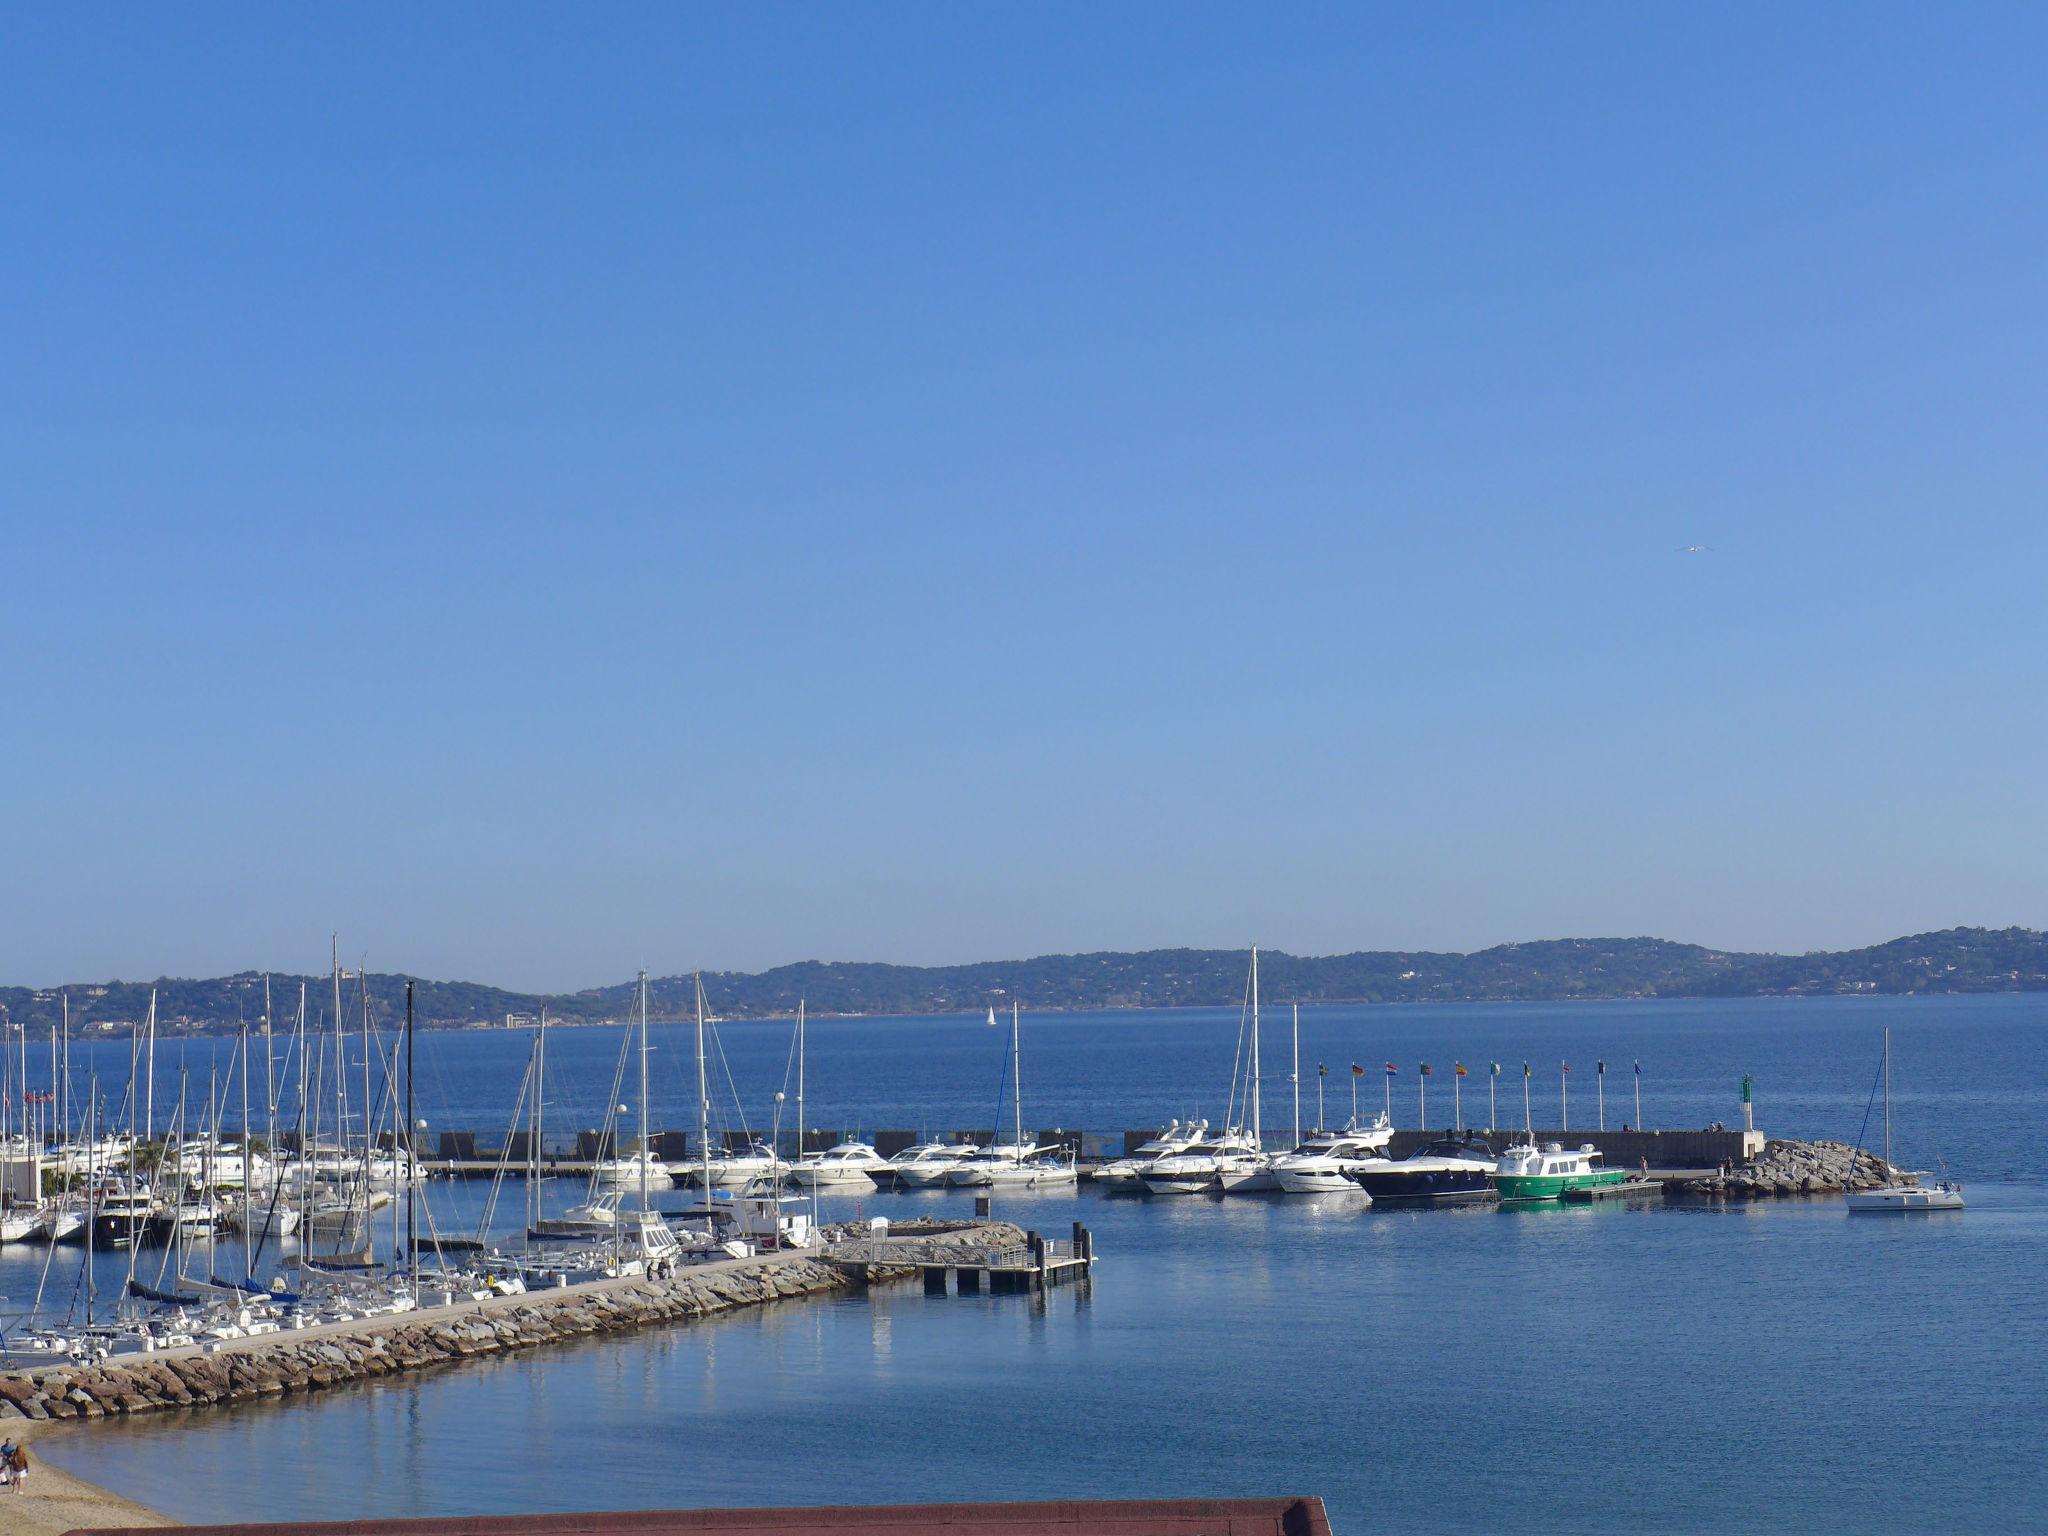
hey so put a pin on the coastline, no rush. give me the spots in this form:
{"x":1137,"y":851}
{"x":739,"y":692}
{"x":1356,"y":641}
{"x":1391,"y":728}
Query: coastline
{"x":56,"y":1501}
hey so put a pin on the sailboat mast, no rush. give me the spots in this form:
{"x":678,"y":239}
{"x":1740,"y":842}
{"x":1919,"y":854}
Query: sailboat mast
{"x":703,"y":1095}
{"x":540,"y":1082}
{"x":799,"y":1079}
{"x":1016,"y":1078}
{"x":1887,"y":1101}
{"x":412,"y":1241}
{"x":1295,"y":1076}
{"x":248,"y":1153}
{"x":1258,"y":1087}
{"x":149,"y":1091}
{"x":643,"y":1095}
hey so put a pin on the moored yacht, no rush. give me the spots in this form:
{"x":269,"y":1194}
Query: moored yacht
{"x":928,"y":1163}
{"x":628,"y":1169}
{"x":1529,"y":1172}
{"x":1454,"y":1169}
{"x":851,"y":1164}
{"x":728,"y":1168}
{"x":1325,"y":1164}
{"x":1197,"y":1168}
{"x":1123,"y":1176}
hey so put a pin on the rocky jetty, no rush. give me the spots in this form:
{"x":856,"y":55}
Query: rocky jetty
{"x":307,"y":1360}
{"x":1790,"y":1168}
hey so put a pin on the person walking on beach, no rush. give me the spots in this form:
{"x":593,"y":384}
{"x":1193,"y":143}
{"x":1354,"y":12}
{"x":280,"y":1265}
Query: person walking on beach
{"x":7,"y":1462}
{"x":17,"y":1465}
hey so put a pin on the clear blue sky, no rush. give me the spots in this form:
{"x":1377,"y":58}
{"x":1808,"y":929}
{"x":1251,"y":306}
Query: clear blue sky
{"x":547,"y":491}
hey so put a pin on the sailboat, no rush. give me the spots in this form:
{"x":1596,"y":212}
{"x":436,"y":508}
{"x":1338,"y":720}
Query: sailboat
{"x":1021,"y":1164}
{"x":1901,"y":1192}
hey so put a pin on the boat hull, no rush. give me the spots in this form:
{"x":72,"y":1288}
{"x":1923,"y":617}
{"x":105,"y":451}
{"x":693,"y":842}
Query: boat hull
{"x":1902,"y":1201}
{"x":1553,"y":1186}
{"x":1436,"y":1186}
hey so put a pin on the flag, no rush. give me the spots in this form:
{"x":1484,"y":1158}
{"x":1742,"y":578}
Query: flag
{"x":1392,"y":1070}
{"x":1639,"y":1069}
{"x":1357,"y":1070}
{"x":1496,"y":1068}
{"x":1566,"y":1065}
{"x":1425,"y":1069}
{"x":1600,"y":1067}
{"x":1459,"y":1068}
{"x":1322,"y":1070}
{"x":1525,"y":1069}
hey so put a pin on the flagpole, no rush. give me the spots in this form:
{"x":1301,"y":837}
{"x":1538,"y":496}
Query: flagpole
{"x":1528,"y":1119}
{"x":1639,"y":1095}
{"x":1390,"y":1096}
{"x":1600,"y":1089}
{"x":1422,"y":1096}
{"x":1564,"y":1093}
{"x":1457,"y":1099}
{"x":1492,"y":1077}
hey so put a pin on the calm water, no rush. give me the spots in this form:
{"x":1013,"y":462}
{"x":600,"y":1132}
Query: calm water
{"x":1771,"y":1368}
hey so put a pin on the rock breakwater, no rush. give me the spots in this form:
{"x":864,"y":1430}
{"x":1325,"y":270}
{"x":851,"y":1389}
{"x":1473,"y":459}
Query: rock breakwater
{"x":311,"y":1359}
{"x":1790,"y":1168}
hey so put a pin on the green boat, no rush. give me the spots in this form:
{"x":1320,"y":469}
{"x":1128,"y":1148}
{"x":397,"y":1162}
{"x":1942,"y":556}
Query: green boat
{"x":1532,"y":1173}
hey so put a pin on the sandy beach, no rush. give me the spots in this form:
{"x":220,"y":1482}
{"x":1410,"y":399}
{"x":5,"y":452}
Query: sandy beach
{"x":54,"y":1501}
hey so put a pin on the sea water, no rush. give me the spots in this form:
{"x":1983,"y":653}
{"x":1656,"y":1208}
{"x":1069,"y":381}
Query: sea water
{"x":1780,"y":1366}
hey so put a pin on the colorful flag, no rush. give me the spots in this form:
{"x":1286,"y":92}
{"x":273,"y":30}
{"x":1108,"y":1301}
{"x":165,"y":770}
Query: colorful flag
{"x":1459,"y":1068}
{"x":1425,"y":1069}
{"x":1322,"y":1070}
{"x":1566,"y":1065}
{"x":1392,"y":1070}
{"x":1357,"y":1070}
{"x":1525,"y":1069}
{"x":1496,"y":1068}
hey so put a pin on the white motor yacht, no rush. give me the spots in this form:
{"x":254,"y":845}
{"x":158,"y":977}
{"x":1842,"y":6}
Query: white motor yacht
{"x":627,"y":1171}
{"x":735,"y":1168}
{"x":1200,"y":1167}
{"x":1124,"y":1176}
{"x":927,"y":1163}
{"x":850,"y":1165}
{"x":1323,"y":1165}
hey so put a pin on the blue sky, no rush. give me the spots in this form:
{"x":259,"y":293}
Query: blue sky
{"x":544,"y":491}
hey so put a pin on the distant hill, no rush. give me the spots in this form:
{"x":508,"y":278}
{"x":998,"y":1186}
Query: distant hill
{"x":1956,"y":960}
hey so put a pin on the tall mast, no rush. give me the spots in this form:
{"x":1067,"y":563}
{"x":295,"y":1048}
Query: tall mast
{"x":643,"y":1101}
{"x":248,"y":1152}
{"x":64,"y":1094}
{"x":363,"y":985}
{"x":1887,"y":1101}
{"x":1016,"y":1079}
{"x":1258,"y":1087}
{"x":149,"y":1116}
{"x":1295,"y":1076}
{"x":540,"y":1078}
{"x":412,"y":1183}
{"x":703,"y":1094}
{"x":92,"y":1183}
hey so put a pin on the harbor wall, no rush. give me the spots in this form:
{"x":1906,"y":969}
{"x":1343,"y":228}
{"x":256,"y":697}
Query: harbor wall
{"x":1619,"y":1149}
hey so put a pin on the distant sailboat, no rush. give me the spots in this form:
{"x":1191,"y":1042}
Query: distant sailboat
{"x":991,"y":1017}
{"x":1902,"y":1192}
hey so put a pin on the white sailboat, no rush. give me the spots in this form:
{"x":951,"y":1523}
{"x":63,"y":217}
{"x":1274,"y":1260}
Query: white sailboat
{"x":1902,"y":1192}
{"x":1021,"y":1164}
{"x":1251,"y":1172}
